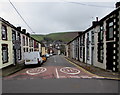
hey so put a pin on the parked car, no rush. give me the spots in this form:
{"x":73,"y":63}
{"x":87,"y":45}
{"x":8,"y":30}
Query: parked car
{"x":51,"y":54}
{"x":47,"y":55}
{"x":32,"y":58}
{"x":44,"y":58}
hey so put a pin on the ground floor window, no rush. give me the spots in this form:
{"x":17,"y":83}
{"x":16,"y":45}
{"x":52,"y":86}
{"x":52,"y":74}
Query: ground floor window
{"x":24,"y":49}
{"x":5,"y":53}
{"x":27,"y":50}
{"x":88,"y":55}
{"x":100,"y":52}
{"x":81,"y":52}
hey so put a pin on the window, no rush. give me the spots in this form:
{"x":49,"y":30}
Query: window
{"x":23,"y":41}
{"x":19,"y":54}
{"x":92,"y":37}
{"x":100,"y":44}
{"x":26,"y":41}
{"x":27,"y":50}
{"x":5,"y":53}
{"x":88,"y":55}
{"x":4,"y":32}
{"x":110,"y":30}
{"x":18,"y":37}
{"x":100,"y":52}
{"x":87,"y":46}
{"x":100,"y":34}
{"x":13,"y":35}
{"x":24,"y":49}
{"x":81,"y":52}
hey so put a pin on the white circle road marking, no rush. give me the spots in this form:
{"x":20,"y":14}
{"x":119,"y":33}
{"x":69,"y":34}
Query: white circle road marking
{"x":69,"y":70}
{"x":36,"y":71}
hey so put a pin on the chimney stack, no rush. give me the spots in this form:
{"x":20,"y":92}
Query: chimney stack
{"x":97,"y":19}
{"x":19,"y":28}
{"x":95,"y":22}
{"x":24,"y":31}
{"x":117,"y":4}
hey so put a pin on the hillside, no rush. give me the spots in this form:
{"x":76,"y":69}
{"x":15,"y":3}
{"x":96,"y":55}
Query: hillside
{"x":64,"y":36}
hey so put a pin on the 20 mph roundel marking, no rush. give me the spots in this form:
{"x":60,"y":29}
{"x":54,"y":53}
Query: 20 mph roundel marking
{"x":70,"y":70}
{"x":36,"y":71}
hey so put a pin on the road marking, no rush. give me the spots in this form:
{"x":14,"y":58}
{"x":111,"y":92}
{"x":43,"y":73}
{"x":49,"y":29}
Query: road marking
{"x":97,"y":76}
{"x":70,"y":70}
{"x":36,"y":71}
{"x":57,"y":74}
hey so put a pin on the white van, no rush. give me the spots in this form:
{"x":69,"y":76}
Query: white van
{"x":32,"y":58}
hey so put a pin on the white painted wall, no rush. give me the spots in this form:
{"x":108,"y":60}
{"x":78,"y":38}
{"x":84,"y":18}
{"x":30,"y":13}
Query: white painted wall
{"x":10,"y":47}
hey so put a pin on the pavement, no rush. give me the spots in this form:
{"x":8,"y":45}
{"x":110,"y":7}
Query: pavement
{"x":95,"y":70}
{"x":11,"y":69}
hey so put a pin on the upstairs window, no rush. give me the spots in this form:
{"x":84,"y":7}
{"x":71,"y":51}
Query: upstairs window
{"x":13,"y":35}
{"x":26,"y":41}
{"x":100,"y":52}
{"x":92,"y":37}
{"x":100,"y":45}
{"x":4,"y":32}
{"x":110,"y":30}
{"x":23,"y":40}
{"x":110,"y":36}
{"x":18,"y":37}
{"x":100,"y":34}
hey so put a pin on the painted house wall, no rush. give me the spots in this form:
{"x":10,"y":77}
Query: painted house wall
{"x":10,"y":46}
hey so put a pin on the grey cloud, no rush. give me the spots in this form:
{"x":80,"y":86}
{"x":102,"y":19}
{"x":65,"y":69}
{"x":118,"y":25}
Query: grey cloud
{"x":55,"y":16}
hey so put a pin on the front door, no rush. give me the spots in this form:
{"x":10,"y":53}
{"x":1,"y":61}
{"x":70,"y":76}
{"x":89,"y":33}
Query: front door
{"x":92,"y":56}
{"x":109,"y":55}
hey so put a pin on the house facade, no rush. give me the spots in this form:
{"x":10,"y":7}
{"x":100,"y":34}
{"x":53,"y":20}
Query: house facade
{"x":6,"y":46}
{"x":99,"y":45}
{"x":13,"y":43}
{"x":107,"y":42}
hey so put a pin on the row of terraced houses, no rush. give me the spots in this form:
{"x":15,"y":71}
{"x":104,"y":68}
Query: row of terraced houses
{"x":99,"y":45}
{"x":14,"y":41}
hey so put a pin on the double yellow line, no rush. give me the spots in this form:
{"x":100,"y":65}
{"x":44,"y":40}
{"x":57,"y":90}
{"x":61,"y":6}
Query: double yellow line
{"x":90,"y":72}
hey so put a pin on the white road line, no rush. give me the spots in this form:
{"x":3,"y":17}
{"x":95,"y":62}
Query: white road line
{"x":57,"y":74}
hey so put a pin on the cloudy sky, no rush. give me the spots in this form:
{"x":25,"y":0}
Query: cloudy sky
{"x":55,"y":16}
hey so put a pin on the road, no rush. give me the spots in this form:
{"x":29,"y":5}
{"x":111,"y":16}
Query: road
{"x":57,"y":75}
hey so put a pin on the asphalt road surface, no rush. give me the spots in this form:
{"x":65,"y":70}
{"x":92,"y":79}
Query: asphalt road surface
{"x":57,"y":75}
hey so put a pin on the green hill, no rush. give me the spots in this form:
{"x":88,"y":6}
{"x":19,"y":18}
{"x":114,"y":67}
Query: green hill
{"x":64,"y":36}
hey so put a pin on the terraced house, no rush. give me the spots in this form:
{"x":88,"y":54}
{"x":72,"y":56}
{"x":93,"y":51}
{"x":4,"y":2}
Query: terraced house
{"x":99,"y":45}
{"x":14,"y":41}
